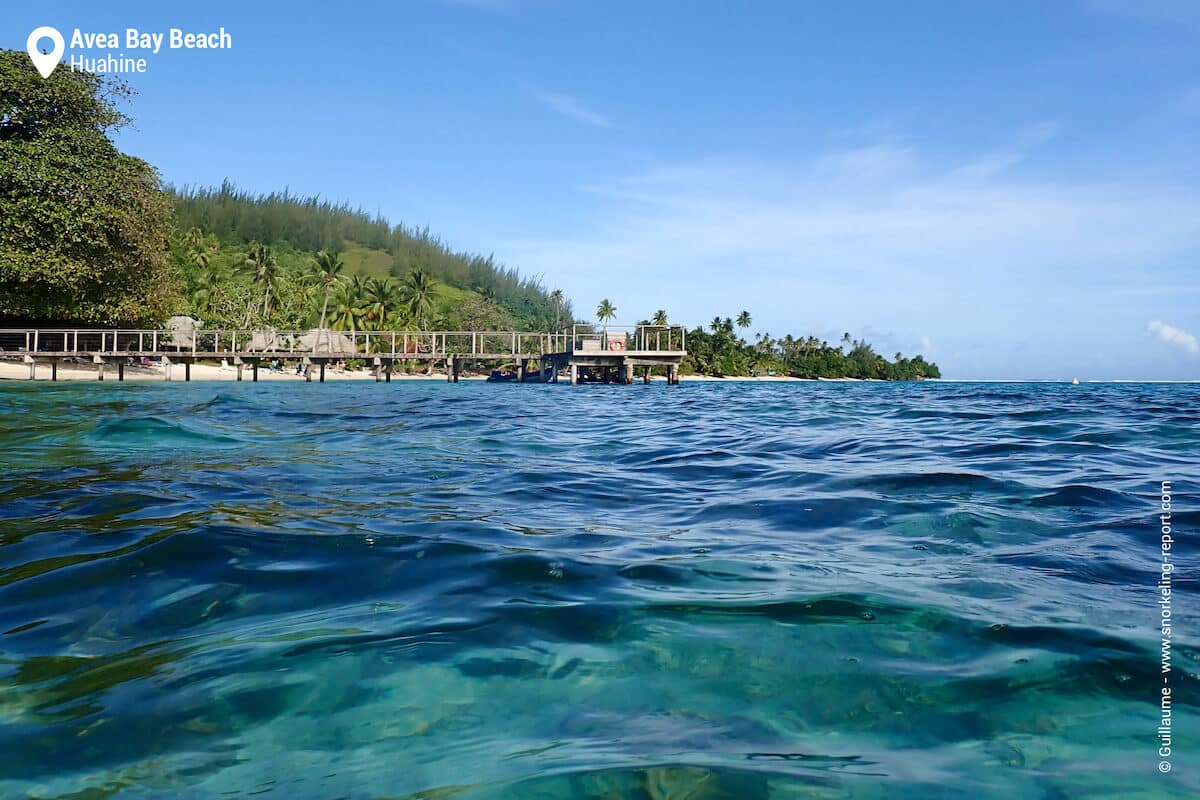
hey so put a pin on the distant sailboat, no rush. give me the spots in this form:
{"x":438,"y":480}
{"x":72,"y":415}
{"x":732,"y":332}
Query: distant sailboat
{"x":1074,"y":381}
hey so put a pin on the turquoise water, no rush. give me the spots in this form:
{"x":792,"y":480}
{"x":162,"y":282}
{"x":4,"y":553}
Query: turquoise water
{"x":705,"y":591}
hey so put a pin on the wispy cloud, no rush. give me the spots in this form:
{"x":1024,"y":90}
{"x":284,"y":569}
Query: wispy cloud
{"x":886,"y":235}
{"x":571,"y":107}
{"x":1175,"y":336}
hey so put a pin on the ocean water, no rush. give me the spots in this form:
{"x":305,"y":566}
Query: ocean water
{"x":732,"y":591}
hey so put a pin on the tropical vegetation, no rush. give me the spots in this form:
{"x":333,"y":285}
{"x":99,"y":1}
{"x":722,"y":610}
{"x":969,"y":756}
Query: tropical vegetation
{"x":82,"y":224}
{"x":90,"y":236}
{"x":452,"y":288}
{"x":720,"y":350}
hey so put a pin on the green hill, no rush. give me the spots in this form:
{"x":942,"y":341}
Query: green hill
{"x":225,"y":223}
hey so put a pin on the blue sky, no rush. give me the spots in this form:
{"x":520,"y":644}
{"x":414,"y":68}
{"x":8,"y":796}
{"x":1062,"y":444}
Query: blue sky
{"x":1011,"y":188}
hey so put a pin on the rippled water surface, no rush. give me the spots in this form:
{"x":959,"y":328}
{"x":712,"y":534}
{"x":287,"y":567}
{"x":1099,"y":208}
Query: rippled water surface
{"x":707,"y":591}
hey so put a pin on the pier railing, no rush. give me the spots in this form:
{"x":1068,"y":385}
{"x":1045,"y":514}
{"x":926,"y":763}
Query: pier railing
{"x":201,"y":343}
{"x":634,"y":338}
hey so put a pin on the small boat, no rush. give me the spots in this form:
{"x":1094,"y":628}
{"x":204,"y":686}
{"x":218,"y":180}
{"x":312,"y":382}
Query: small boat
{"x":1074,"y":381}
{"x":503,"y":376}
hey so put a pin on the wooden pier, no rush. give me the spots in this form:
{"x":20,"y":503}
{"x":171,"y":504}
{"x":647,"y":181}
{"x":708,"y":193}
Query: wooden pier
{"x":581,"y":353}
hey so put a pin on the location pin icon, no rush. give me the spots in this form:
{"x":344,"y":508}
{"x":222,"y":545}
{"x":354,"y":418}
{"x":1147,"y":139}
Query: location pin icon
{"x":45,"y":62}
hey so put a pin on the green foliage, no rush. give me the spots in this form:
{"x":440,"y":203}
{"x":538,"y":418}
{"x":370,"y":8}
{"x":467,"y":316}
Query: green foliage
{"x":83,"y":227}
{"x":369,"y":244}
{"x":366,"y":261}
{"x":606,"y":310}
{"x":719,"y":351}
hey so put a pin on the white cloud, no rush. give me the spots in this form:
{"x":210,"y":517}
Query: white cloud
{"x":1175,"y":336}
{"x":571,"y":107}
{"x":885,"y":235}
{"x":872,"y":210}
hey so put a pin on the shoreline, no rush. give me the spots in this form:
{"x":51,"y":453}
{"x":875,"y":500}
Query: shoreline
{"x":17,"y":371}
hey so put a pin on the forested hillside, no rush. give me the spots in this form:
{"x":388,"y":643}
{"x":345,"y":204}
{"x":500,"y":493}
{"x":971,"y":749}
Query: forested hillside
{"x":229,"y":221}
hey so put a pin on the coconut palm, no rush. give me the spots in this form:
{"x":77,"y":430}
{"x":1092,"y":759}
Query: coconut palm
{"x":659,"y":318}
{"x":207,"y":287}
{"x":260,"y":263}
{"x":348,"y":299}
{"x":605,"y":311}
{"x":556,"y":299}
{"x":324,"y":274}
{"x":193,"y":238}
{"x":743,"y":319}
{"x":417,"y":293}
{"x":382,"y":301}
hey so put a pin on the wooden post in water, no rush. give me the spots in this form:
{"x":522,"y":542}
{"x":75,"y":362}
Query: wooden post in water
{"x":54,"y":369}
{"x":121,"y":370}
{"x":33,"y":369}
{"x":322,"y":378}
{"x":574,"y":374}
{"x":99,"y":368}
{"x":239,"y":370}
{"x":521,"y":366}
{"x":254,"y":370}
{"x":387,"y":365}
{"x":646,"y":377}
{"x":187,"y":370}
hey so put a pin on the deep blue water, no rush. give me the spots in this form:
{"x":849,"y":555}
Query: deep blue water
{"x":706,"y":591}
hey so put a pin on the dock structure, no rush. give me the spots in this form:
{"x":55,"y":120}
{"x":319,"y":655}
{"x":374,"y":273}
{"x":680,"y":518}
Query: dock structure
{"x":581,"y":353}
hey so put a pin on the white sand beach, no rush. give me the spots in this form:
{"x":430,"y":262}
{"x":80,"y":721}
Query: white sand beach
{"x":15,"y":370}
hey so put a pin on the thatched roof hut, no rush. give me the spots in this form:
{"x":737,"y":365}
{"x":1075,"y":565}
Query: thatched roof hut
{"x":183,"y":332}
{"x":323,"y":340}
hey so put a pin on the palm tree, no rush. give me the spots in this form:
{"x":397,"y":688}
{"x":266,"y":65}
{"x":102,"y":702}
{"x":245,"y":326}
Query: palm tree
{"x":417,"y":292}
{"x":743,"y":319}
{"x":381,"y":301}
{"x":193,"y":238}
{"x":660,"y":318}
{"x":605,"y":311}
{"x":207,"y":288}
{"x":325,"y":273}
{"x":348,"y":300}
{"x":556,"y":298}
{"x":715,"y":324}
{"x":263,"y":269}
